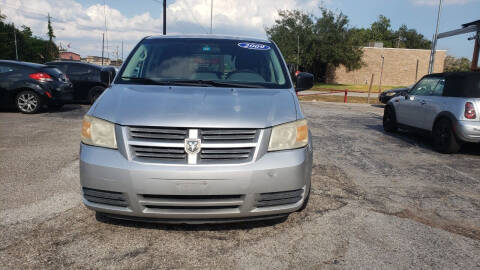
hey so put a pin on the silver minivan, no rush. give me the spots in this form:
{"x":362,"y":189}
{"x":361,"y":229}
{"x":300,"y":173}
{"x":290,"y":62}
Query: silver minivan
{"x":198,"y":129}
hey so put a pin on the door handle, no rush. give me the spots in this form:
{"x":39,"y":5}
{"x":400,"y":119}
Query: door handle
{"x":423,"y":102}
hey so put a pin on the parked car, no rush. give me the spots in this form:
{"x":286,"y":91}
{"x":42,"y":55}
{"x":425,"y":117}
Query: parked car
{"x":198,"y":129}
{"x":89,"y":80}
{"x":444,"y":104}
{"x":29,"y":86}
{"x":385,"y":96}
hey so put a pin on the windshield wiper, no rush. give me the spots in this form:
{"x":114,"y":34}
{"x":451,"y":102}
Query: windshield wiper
{"x":215,"y":83}
{"x":144,"y":80}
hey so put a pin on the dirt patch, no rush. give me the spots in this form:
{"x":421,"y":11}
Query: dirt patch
{"x":432,"y":220}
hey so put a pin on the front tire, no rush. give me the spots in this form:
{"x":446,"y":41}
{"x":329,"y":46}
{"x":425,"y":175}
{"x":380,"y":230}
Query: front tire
{"x":28,"y":102}
{"x":444,"y":139}
{"x":389,"y":119}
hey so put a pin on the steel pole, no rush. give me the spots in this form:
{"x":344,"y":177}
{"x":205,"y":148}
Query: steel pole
{"x":15,"y":37}
{"x":434,"y":42}
{"x":164,"y":17}
{"x":103,"y":45}
{"x":211,"y":16}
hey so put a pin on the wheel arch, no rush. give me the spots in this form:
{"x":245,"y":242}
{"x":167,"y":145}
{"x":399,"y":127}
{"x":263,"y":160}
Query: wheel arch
{"x":443,"y":115}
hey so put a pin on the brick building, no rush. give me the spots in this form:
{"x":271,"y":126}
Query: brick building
{"x":399,"y":68}
{"x":64,"y":55}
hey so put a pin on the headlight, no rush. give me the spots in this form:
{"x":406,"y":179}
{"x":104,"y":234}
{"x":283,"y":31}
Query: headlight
{"x":390,"y":94}
{"x":98,"y":132}
{"x":289,"y":136}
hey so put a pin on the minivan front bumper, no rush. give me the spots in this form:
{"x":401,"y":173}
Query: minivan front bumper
{"x":194,"y":193}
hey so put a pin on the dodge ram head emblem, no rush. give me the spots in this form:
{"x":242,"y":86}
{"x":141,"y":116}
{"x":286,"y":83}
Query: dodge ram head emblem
{"x":192,"y":146}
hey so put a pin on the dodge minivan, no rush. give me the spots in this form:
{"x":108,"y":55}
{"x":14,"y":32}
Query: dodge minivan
{"x":198,"y":129}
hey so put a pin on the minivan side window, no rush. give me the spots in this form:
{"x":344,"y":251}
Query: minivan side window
{"x":429,"y":87}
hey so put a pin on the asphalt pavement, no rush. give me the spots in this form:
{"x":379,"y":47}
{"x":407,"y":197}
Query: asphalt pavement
{"x":379,"y":201}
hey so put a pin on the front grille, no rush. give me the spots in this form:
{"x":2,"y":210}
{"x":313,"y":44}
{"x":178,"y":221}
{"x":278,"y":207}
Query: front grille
{"x":216,"y":154}
{"x":158,"y":133}
{"x":105,"y":197}
{"x":191,"y":202}
{"x":164,"y":153}
{"x":167,"y":145}
{"x":279,"y":198}
{"x":228,"y":135}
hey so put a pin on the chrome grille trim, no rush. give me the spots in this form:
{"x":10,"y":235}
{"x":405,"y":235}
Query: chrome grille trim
{"x":158,"y":133}
{"x":167,"y":145}
{"x":237,"y":135}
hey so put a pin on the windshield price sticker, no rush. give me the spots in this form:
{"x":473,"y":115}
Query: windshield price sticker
{"x":253,"y":46}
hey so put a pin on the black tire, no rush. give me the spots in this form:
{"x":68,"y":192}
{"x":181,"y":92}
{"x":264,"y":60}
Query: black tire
{"x":443,"y":137}
{"x":389,"y":119}
{"x":94,"y":93}
{"x":28,"y":102}
{"x":305,"y":202}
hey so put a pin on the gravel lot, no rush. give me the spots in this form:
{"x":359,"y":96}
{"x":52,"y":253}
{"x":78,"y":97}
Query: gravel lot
{"x":378,"y":201}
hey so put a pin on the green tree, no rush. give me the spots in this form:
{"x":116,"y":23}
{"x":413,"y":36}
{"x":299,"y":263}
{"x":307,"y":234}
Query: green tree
{"x":381,"y":31}
{"x":30,"y":48}
{"x":453,"y":64}
{"x":325,"y":42}
{"x":411,"y":39}
{"x":52,"y":49}
{"x":294,"y":27}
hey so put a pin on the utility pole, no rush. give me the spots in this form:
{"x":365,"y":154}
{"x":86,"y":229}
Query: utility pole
{"x":298,"y":52}
{"x":122,"y":50}
{"x":164,"y":17}
{"x":15,"y":37}
{"x":434,"y":42}
{"x":103,"y":42}
{"x":381,"y":75}
{"x":211,"y":15}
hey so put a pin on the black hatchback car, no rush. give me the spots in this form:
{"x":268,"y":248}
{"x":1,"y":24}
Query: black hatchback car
{"x":29,"y":86}
{"x":89,"y":80}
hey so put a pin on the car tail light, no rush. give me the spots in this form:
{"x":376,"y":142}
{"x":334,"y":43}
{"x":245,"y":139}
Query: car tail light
{"x":470,"y":111}
{"x":41,"y":77}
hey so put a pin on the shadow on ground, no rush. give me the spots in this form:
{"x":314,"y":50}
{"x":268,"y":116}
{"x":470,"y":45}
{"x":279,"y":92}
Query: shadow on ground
{"x":245,"y":225}
{"x":423,"y":140}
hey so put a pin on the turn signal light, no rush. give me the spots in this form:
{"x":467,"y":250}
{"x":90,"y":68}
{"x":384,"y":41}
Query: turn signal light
{"x":470,"y":112}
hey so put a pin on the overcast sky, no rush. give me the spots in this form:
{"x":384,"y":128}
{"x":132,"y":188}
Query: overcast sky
{"x":81,"y":23}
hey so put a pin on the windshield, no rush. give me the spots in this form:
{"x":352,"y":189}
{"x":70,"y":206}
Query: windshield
{"x":215,"y":62}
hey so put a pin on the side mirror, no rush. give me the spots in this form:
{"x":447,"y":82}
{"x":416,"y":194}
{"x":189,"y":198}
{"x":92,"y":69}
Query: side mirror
{"x":304,"y":81}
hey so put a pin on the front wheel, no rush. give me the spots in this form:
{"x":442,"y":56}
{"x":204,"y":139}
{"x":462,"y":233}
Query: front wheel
{"x":28,"y":102}
{"x":444,"y":140}
{"x":389,"y":119}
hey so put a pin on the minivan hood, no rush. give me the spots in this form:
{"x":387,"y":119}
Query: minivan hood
{"x":185,"y":106}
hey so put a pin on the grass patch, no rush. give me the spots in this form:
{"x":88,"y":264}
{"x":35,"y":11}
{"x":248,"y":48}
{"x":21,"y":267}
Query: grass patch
{"x":352,"y":87}
{"x":331,"y":98}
